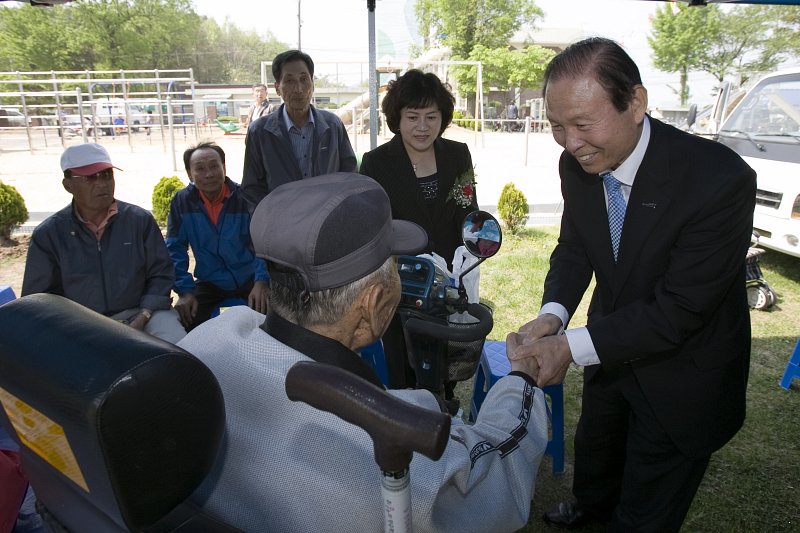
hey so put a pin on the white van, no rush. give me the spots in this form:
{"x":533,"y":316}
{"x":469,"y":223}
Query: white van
{"x":106,"y":110}
{"x":764,"y":128}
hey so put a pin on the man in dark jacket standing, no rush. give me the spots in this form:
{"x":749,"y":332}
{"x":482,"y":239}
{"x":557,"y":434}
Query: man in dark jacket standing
{"x":212,"y":216}
{"x":297,"y":140}
{"x":102,"y":253}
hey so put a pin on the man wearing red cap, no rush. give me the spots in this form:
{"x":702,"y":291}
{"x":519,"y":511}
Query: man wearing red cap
{"x":102,"y":253}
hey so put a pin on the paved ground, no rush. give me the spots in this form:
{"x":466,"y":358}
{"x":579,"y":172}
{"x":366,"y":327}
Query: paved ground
{"x":499,"y":158}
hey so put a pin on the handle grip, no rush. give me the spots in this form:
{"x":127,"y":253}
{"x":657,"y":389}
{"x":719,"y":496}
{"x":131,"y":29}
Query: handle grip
{"x":465,"y":333}
{"x":397,"y":428}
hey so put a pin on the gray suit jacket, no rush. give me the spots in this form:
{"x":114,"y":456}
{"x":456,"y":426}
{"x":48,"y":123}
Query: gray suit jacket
{"x":269,"y":160}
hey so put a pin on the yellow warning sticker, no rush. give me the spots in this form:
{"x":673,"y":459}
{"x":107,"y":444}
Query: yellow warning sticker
{"x":43,"y":436}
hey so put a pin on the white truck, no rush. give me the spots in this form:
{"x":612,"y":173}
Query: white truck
{"x":764,"y":128}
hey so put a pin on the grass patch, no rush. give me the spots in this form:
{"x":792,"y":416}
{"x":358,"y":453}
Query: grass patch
{"x":751,"y":484}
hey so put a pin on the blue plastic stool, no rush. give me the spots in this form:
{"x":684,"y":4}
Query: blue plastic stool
{"x":6,"y":294}
{"x":792,"y":368}
{"x":224,"y":304}
{"x":374,"y":355}
{"x":494,"y":365}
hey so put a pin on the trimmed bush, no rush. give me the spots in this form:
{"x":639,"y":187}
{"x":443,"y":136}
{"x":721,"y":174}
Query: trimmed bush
{"x":512,"y":208}
{"x":12,"y":210}
{"x":163,"y":192}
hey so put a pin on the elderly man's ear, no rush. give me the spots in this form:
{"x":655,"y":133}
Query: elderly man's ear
{"x":377,"y":304}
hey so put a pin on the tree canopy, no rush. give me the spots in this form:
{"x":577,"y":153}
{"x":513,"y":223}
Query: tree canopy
{"x":505,"y":69}
{"x":130,"y":35}
{"x":740,"y":41}
{"x":463,"y":24}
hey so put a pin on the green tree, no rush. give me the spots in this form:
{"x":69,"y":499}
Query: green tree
{"x":783,"y":35}
{"x":505,"y":69}
{"x":28,"y":42}
{"x":680,"y":37}
{"x":741,"y":44}
{"x":464,"y":24}
{"x":130,"y":35}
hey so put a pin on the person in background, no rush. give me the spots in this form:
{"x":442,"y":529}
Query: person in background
{"x":332,"y":292}
{"x":512,"y":114}
{"x":261,"y":106}
{"x":212,"y":217}
{"x":666,"y":349}
{"x":103,"y":253}
{"x":429,"y":180}
{"x":297,"y":140}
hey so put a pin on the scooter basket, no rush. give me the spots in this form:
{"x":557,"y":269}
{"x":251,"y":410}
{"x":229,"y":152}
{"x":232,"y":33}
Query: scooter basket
{"x":463,"y":357}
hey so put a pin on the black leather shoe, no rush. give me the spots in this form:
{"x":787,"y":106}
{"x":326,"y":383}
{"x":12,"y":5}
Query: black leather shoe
{"x":568,"y":515}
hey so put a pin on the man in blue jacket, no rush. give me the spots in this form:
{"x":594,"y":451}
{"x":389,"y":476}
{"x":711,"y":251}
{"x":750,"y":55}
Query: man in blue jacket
{"x":297,"y":140}
{"x":212,"y":216}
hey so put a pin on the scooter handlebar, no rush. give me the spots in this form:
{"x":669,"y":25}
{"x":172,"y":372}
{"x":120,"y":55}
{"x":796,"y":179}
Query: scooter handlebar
{"x":467,"y":333}
{"x":397,"y":428}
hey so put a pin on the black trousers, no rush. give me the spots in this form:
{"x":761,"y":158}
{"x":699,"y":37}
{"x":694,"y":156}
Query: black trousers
{"x":209,"y":296}
{"x":626,"y":467}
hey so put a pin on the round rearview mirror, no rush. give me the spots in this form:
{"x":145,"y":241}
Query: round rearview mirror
{"x":481,"y":234}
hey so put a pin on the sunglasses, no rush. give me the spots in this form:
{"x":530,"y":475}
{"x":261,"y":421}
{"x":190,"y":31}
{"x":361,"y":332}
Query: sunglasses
{"x":104,"y":175}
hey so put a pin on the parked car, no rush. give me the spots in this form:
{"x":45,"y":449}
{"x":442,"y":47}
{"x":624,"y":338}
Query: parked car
{"x":764,"y":128}
{"x":11,"y":118}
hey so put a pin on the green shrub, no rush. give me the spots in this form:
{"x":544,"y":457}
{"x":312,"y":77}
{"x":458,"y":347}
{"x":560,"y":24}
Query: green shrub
{"x":163,"y":192}
{"x":227,"y":118}
{"x":12,"y":210}
{"x":512,"y":208}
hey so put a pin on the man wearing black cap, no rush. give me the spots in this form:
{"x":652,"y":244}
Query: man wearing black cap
{"x":330,"y":245}
{"x":103,"y":253}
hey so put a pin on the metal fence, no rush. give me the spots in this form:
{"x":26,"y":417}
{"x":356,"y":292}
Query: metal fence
{"x":43,"y":105}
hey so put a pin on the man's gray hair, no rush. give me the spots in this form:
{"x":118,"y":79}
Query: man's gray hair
{"x":327,"y":306}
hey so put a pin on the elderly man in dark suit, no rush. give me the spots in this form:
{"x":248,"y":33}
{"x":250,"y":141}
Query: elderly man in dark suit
{"x":665,"y":353}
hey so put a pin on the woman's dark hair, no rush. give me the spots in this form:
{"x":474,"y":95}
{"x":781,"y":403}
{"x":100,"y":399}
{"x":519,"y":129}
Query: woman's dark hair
{"x":187,"y":154}
{"x":287,"y":57}
{"x":414,"y":90}
{"x":605,"y":61}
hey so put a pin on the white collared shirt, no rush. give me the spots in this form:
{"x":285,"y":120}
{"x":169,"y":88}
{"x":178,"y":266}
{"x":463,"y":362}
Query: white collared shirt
{"x":580,"y":342}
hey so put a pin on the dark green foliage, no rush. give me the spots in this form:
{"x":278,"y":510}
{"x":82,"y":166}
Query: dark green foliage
{"x":12,"y":210}
{"x":512,"y":208}
{"x":163,"y":192}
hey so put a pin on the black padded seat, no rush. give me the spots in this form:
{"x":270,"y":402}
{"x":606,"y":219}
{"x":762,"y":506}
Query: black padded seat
{"x":116,"y":427}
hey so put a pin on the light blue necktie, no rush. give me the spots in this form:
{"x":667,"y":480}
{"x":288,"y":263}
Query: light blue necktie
{"x":616,"y":209}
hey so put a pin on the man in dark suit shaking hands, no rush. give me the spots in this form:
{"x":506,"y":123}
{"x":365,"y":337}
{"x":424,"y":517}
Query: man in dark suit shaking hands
{"x":666,"y":349}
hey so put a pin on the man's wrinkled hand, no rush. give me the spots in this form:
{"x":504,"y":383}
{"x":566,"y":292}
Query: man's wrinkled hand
{"x":139,"y":322}
{"x":552,"y":354}
{"x":521,"y":362}
{"x":541,"y":326}
{"x":186,"y":308}
{"x":258,"y":299}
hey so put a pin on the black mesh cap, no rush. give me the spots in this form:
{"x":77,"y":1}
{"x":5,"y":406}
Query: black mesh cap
{"x":332,"y":229}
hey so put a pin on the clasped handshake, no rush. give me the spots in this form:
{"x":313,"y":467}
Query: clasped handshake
{"x":538,"y":350}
